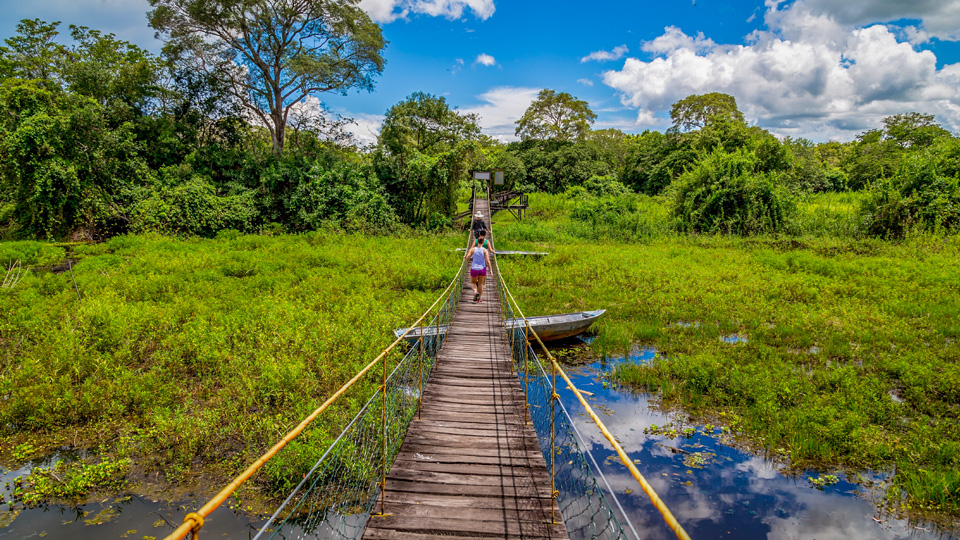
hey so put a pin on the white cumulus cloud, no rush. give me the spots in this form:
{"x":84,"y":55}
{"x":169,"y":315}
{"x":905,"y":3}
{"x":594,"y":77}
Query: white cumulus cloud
{"x":365,"y":127}
{"x":385,"y":11}
{"x":673,"y":39}
{"x":485,"y":60}
{"x":585,"y":82}
{"x":809,"y":74}
{"x":605,"y":56}
{"x":941,"y":18}
{"x":501,"y":108}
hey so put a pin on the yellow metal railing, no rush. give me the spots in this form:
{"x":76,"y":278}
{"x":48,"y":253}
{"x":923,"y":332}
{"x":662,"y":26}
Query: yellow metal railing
{"x":668,"y":517}
{"x":193,"y":522}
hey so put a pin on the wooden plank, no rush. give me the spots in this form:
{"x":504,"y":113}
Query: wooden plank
{"x":533,"y":470}
{"x":407,"y":486}
{"x":464,"y":501}
{"x":429,"y":448}
{"x":483,"y":430}
{"x":457,"y":479}
{"x":481,"y":443}
{"x":391,"y":534}
{"x":467,"y":409}
{"x":415,"y":510}
{"x":521,"y":459}
{"x":454,"y":525}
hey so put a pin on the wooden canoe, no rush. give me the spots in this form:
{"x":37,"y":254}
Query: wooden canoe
{"x":548,"y":327}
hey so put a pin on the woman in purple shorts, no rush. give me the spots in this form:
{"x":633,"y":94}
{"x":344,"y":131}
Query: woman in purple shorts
{"x":479,"y":262}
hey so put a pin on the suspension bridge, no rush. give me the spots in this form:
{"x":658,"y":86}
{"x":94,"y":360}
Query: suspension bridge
{"x":465,"y":436}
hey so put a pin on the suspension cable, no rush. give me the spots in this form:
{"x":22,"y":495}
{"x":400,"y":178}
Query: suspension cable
{"x":647,"y":488}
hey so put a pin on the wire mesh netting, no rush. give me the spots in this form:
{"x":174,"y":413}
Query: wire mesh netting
{"x":587,"y":514}
{"x":338,"y":495}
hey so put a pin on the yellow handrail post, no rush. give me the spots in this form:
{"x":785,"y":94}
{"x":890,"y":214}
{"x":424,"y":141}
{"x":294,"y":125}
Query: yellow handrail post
{"x":553,"y":444}
{"x":383,"y":421}
{"x":526,"y":352}
{"x":420,"y":395}
{"x":198,"y":524}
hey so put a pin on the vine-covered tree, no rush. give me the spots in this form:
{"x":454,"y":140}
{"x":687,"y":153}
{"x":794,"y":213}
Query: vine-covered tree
{"x":274,"y":53}
{"x":559,"y":117}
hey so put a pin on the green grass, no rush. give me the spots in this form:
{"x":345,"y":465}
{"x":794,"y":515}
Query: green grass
{"x":853,"y":345}
{"x":191,"y":357}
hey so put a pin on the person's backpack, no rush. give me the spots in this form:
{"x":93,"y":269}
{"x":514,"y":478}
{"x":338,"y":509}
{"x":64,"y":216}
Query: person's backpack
{"x":478,"y":226}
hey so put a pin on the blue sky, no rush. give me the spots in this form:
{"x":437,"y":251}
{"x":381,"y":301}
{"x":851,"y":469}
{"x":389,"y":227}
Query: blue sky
{"x":821,"y":69}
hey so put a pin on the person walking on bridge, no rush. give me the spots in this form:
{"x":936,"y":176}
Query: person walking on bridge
{"x":479,"y":258}
{"x":478,"y":224}
{"x":479,"y":231}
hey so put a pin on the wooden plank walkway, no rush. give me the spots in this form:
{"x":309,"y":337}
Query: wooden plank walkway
{"x":472,"y":466}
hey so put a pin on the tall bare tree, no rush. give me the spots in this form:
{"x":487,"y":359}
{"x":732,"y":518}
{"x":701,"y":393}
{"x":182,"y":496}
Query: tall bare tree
{"x":273,"y":53}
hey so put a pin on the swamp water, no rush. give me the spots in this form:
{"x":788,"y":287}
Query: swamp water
{"x":715,"y":489}
{"x":130,"y":517}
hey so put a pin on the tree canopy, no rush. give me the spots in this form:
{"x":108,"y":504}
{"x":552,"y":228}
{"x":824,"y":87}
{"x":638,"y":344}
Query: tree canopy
{"x":697,"y":111}
{"x":426,"y":123}
{"x":272,"y":54}
{"x":560,"y":117}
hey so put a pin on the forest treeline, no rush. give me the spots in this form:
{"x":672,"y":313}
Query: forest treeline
{"x":99,"y":137}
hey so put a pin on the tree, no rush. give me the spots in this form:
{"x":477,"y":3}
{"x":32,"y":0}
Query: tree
{"x":111,"y":71}
{"x":32,"y":54}
{"x":913,"y":130}
{"x":871,"y":158}
{"x":923,"y":193}
{"x":554,"y":166}
{"x":725,"y":193}
{"x":272,"y":54}
{"x":426,"y":150}
{"x":560,"y":117}
{"x":610,"y":146}
{"x":425,"y":123}
{"x":695,"y":112}
{"x":654,"y":160}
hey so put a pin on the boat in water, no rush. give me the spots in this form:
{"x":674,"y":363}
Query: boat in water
{"x":548,"y":327}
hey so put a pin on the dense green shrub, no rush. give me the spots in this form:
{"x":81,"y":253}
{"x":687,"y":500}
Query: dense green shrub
{"x":62,"y":166}
{"x":607,"y":185}
{"x":924,"y":193}
{"x":192,"y":207}
{"x":724,"y":193}
{"x":604,"y":209}
{"x":347,"y":195}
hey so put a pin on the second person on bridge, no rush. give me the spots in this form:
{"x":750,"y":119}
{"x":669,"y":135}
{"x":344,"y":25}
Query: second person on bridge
{"x":479,"y":262}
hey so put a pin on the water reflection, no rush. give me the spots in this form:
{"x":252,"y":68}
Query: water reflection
{"x":114,"y":517}
{"x":724,"y":492}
